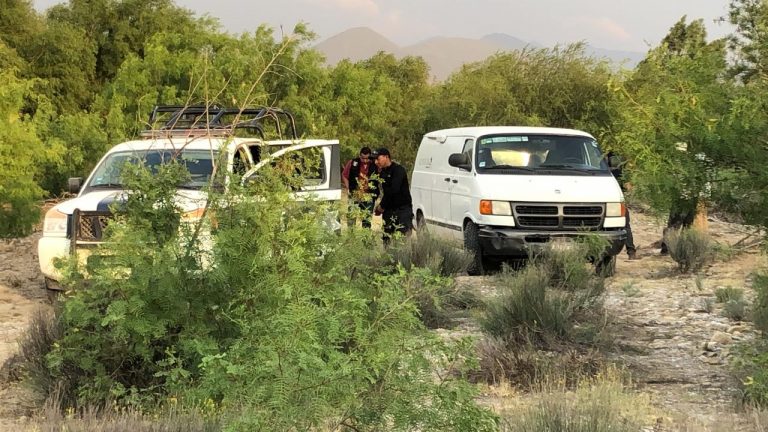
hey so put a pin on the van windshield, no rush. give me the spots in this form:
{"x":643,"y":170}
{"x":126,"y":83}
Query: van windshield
{"x":540,"y":154}
{"x":199,"y":163}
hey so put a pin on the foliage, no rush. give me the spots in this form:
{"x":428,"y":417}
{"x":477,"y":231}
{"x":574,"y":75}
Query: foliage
{"x":760,"y":308}
{"x":691,"y":249}
{"x":751,"y":363}
{"x":262,"y":315}
{"x":750,"y":40}
{"x":171,"y":418}
{"x":21,"y":154}
{"x":600,"y":404}
{"x":545,"y":300}
{"x":669,"y":119}
{"x":724,"y":295}
{"x":435,"y":253}
{"x":559,"y":87}
{"x":524,"y":366}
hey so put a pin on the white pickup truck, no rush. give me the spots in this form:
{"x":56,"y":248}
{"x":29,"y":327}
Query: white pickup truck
{"x":196,"y":136}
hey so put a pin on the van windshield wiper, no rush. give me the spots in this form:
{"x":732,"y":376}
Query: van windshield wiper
{"x":503,"y":167}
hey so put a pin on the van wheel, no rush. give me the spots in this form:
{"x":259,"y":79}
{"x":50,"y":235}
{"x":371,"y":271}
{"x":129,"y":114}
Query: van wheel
{"x":472,"y":245}
{"x":606,"y":266}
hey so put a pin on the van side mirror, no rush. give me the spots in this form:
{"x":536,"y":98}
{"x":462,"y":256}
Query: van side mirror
{"x":74,"y":184}
{"x":460,"y":160}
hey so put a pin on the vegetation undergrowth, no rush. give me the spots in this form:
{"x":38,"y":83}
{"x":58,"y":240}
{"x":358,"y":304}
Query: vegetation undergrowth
{"x":547,"y":318}
{"x":691,"y":249}
{"x":259,"y":310}
{"x":604,"y":403}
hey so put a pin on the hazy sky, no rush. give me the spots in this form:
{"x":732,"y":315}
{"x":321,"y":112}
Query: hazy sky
{"x":614,"y":24}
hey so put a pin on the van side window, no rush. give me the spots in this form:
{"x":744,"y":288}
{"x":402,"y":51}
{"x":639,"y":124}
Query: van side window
{"x":467,"y":150}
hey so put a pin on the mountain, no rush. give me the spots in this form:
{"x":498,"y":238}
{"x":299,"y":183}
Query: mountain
{"x":355,"y":44}
{"x":509,"y":42}
{"x":444,"y":55}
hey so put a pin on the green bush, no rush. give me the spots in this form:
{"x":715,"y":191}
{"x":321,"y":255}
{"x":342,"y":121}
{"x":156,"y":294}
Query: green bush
{"x":724,"y":295}
{"x":690,"y":248}
{"x":736,"y":310}
{"x":760,"y":308}
{"x":545,"y":299}
{"x":524,"y":366}
{"x":261,"y":311}
{"x":427,"y":251}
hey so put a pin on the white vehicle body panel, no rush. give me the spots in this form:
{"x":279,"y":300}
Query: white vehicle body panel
{"x":446,"y":197}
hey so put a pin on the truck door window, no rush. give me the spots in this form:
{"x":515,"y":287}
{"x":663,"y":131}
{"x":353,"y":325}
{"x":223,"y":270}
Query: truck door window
{"x":299,"y":168}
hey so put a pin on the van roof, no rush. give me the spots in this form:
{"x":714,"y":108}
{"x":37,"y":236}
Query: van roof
{"x":477,"y":131}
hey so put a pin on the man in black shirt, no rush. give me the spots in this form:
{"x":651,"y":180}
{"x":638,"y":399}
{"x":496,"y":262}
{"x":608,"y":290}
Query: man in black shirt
{"x":396,"y":206}
{"x":618,"y":172}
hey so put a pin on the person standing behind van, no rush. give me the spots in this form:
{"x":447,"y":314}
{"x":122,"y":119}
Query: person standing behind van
{"x":618,"y":173}
{"x":355,"y":177}
{"x":396,"y":206}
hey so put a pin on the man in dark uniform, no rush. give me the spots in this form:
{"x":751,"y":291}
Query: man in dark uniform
{"x":617,"y":172}
{"x":396,"y":206}
{"x":362,"y":194}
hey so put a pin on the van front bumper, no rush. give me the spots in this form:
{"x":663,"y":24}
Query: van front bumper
{"x":506,"y":241}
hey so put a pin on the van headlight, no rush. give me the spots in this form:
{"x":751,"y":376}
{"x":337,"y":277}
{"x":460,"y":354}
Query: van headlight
{"x":496,"y":208}
{"x":55,"y":224}
{"x":615,"y":209}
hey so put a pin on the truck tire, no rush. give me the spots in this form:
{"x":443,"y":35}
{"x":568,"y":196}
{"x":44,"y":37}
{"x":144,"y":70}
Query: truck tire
{"x":472,"y":245}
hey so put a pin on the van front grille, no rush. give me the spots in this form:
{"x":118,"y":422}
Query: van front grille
{"x":567,"y":217}
{"x":536,"y":210}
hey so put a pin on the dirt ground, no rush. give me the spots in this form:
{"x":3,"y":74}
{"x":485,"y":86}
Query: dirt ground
{"x":21,"y":296}
{"x":669,"y":331}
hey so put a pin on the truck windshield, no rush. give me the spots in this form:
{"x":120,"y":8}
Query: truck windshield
{"x":199,"y":163}
{"x":539,"y":154}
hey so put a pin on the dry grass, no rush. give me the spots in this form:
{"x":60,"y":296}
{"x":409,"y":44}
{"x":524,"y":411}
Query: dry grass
{"x":604,"y":403}
{"x":691,"y":249}
{"x":54,"y":419}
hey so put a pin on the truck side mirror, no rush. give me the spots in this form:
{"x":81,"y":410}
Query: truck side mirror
{"x":460,"y":160}
{"x":74,"y":184}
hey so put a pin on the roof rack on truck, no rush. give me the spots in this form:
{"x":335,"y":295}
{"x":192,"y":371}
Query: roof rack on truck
{"x":180,"y":120}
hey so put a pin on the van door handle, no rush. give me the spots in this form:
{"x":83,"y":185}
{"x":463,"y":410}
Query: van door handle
{"x":455,"y":181}
{"x":447,"y":179}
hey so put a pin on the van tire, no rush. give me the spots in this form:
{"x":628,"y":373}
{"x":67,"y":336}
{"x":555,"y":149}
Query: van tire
{"x":472,"y":245}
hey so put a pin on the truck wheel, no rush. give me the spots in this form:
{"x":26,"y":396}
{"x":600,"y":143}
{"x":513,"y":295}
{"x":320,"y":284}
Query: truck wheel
{"x":606,"y":266}
{"x":472,"y":245}
{"x":51,"y":293}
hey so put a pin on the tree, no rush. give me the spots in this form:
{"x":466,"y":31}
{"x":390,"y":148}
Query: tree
{"x":557,"y":88}
{"x":750,"y":42}
{"x":119,"y":28}
{"x":21,"y":153}
{"x":676,"y":99}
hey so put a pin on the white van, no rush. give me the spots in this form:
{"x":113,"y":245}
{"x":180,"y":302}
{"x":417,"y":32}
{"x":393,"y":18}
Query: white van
{"x":505,"y":190}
